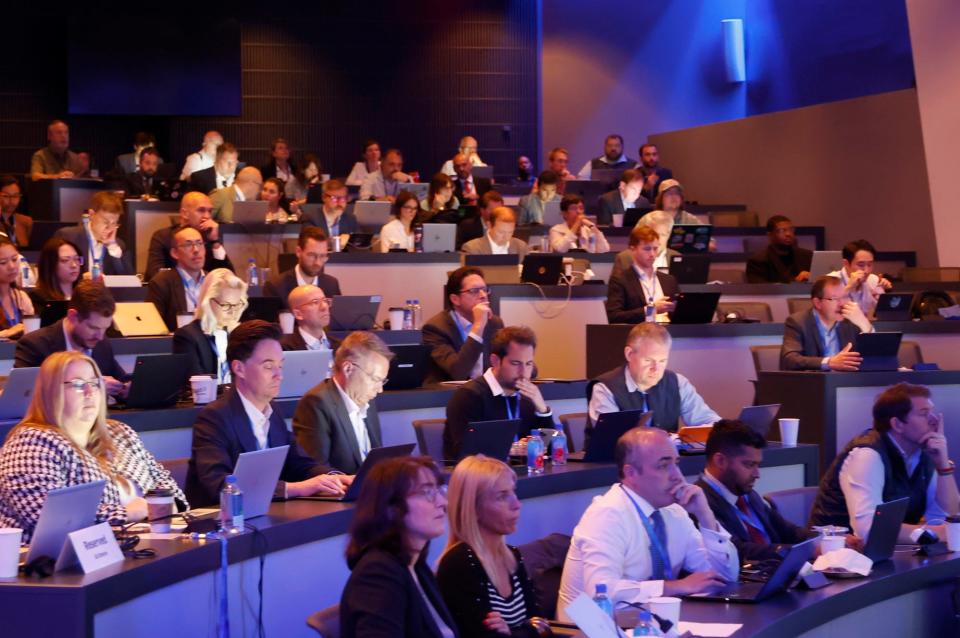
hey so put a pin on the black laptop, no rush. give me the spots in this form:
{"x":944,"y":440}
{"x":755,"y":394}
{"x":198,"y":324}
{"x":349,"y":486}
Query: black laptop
{"x":542,"y":269}
{"x":759,"y":418}
{"x":264,"y":308}
{"x":695,"y":307}
{"x":354,"y":312}
{"x":632,"y":216}
{"x":879,"y":350}
{"x":895,"y":306}
{"x":375,"y":456}
{"x":887,"y":519}
{"x":157,"y":380}
{"x":408,"y":366}
{"x":603,"y":437}
{"x":690,"y":238}
{"x":490,"y":438}
{"x":690,"y":269}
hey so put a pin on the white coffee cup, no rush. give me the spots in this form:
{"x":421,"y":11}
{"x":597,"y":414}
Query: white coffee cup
{"x":396,"y":318}
{"x":667,"y":607}
{"x":160,"y":505}
{"x":204,"y":389}
{"x":618,"y":220}
{"x":830,"y":543}
{"x":184,"y":318}
{"x":789,"y":429}
{"x":953,"y":533}
{"x":286,"y":322}
{"x":10,"y":552}
{"x":30,"y":324}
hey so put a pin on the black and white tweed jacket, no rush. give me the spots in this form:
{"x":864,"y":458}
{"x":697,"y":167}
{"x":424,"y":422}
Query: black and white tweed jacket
{"x":35,"y":460}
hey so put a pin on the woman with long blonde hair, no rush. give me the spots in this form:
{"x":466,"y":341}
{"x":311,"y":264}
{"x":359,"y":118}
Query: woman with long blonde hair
{"x":66,"y":439}
{"x":482,"y":579}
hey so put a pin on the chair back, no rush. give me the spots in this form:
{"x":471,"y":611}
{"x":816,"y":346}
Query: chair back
{"x":178,"y":469}
{"x":797,"y":304}
{"x":765,"y":358}
{"x":430,"y":437}
{"x":794,"y":504}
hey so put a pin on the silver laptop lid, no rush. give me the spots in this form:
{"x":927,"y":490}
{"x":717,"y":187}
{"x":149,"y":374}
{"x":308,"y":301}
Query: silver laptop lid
{"x":303,"y":369}
{"x":17,"y":392}
{"x":257,"y":475}
{"x":439,"y":238}
{"x":65,"y":510}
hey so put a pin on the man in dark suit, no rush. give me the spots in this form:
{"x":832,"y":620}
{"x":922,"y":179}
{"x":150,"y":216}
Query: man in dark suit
{"x":653,"y":173}
{"x":220,"y":175}
{"x":16,"y":226}
{"x":476,"y":226}
{"x":84,"y":329}
{"x":626,"y":196}
{"x":145,"y":181}
{"x":244,"y":420}
{"x":459,"y":338}
{"x":504,"y":391}
{"x":822,"y":337}
{"x":634,"y":292}
{"x":466,"y":188}
{"x":127,"y":163}
{"x":175,"y":291}
{"x":734,"y":454}
{"x":106,"y":207}
{"x":311,"y":309}
{"x":312,"y":254}
{"x":781,"y":262}
{"x":336,"y":422}
{"x":333,"y":218}
{"x":196,"y":211}
{"x":279,"y":165}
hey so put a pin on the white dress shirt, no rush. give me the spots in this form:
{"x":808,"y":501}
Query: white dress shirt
{"x":497,"y":249}
{"x":862,"y":296}
{"x":259,"y":421}
{"x":651,"y":289}
{"x":610,"y":545}
{"x":464,"y":325}
{"x":196,"y":162}
{"x":393,"y":234}
{"x":357,"y":416}
{"x":563,"y":239}
{"x":358,"y":173}
{"x":693,"y":409}
{"x":497,"y":390}
{"x":301,"y":280}
{"x":313,"y":343}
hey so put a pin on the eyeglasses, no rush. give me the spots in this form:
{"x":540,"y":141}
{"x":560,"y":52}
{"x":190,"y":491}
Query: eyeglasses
{"x":381,"y":381}
{"x":227,"y":307}
{"x":832,"y":299}
{"x":191,"y":244}
{"x":319,"y":302}
{"x":72,"y":259}
{"x":335,"y":198}
{"x":431,"y":492}
{"x":109,"y":224}
{"x":80,"y":386}
{"x":476,"y":291}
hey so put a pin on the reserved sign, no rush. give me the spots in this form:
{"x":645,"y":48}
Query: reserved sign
{"x":94,"y":547}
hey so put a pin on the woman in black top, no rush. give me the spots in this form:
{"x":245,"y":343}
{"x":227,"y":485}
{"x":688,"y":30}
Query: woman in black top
{"x":391,"y":592}
{"x":483,"y":579}
{"x":58,"y":270}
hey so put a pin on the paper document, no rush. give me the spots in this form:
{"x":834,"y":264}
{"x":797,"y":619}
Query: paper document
{"x":708,"y":629}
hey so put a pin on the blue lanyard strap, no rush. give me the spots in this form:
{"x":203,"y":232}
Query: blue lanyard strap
{"x":511,"y":414}
{"x":656,"y":543}
{"x":15,"y":319}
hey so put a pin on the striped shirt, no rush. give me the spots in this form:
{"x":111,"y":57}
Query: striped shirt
{"x":513,"y":609}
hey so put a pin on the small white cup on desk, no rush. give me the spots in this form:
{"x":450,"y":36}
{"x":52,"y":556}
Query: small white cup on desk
{"x":10,"y":552}
{"x":953,"y":533}
{"x":204,"y":389}
{"x":184,"y":318}
{"x":789,"y":430}
{"x":160,"y":507}
{"x":286,"y":322}
{"x":667,"y":607}
{"x":618,"y":220}
{"x":396,"y":318}
{"x":30,"y":323}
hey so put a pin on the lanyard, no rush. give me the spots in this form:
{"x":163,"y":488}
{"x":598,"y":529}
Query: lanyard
{"x":649,"y":294}
{"x":656,"y":544}
{"x":511,"y":414}
{"x":15,"y":319}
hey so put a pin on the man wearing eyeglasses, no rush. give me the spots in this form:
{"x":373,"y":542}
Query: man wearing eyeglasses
{"x":175,"y":291}
{"x":196,"y":212}
{"x":336,"y":422}
{"x":822,"y":337}
{"x":312,"y":255}
{"x":16,"y":226}
{"x":459,"y":337}
{"x":333,"y":217}
{"x":311,"y":309}
{"x":101,"y":243}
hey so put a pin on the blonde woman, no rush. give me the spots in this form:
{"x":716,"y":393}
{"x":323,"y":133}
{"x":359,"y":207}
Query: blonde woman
{"x":482,"y":579}
{"x":221,"y":301}
{"x":65,"y":439}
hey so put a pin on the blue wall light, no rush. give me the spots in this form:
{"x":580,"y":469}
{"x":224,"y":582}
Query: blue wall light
{"x":733,"y":56}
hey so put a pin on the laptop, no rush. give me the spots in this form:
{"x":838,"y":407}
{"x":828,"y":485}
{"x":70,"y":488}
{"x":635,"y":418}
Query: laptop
{"x":780,"y":579}
{"x":543,"y":269}
{"x":695,"y":307}
{"x":354,"y":312}
{"x":376,"y":455}
{"x":65,"y":510}
{"x":122,"y":281}
{"x":372,"y":214}
{"x":690,"y":238}
{"x":690,"y":269}
{"x":408,"y":366}
{"x":551,"y":213}
{"x":482,"y":171}
{"x":52,"y":312}
{"x":632,"y":216}
{"x":603,"y":436}
{"x":265,"y":308}
{"x":250,"y":212}
{"x":824,"y":262}
{"x":879,"y":350}
{"x":490,"y":438}
{"x":257,"y":475}
{"x":609,"y":177}
{"x":302,"y":370}
{"x":17,"y":392}
{"x":439,"y":238}
{"x":420,"y":189}
{"x":887,"y":519}
{"x":139,"y":319}
{"x":895,"y":306}
{"x":759,"y":418}
{"x":157,"y":380}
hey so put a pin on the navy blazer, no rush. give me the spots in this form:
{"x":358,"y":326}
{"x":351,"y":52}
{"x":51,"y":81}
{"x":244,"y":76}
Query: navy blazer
{"x":34,"y":347}
{"x":221,"y":433}
{"x":282,"y":285}
{"x":111,"y":265}
{"x":348,"y":222}
{"x":193,"y":342}
{"x":158,"y":256}
{"x":452,"y":358}
{"x":801,"y":349}
{"x":167,"y":293}
{"x":626,"y":301}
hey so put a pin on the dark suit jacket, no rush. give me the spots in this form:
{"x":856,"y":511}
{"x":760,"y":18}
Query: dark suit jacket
{"x":450,"y":358}
{"x":294,"y":341}
{"x":135,"y":185}
{"x":469,"y":228}
{"x":348,"y":222}
{"x":221,"y":433}
{"x":382,"y":600}
{"x":323,"y":429}
{"x":111,"y":265}
{"x":480,"y":184}
{"x":766,"y":266}
{"x":34,"y":347}
{"x":626,"y":302}
{"x":780,"y":530}
{"x":159,"y":255}
{"x":204,"y":180}
{"x":166,"y":292}
{"x":270,"y":169}
{"x":191,"y":341}
{"x":282,"y":284}
{"x":22,"y":228}
{"x":801,"y":349}
{"x":662,"y":174}
{"x":611,"y":204}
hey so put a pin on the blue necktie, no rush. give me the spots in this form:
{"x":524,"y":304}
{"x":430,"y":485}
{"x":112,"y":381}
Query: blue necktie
{"x":643,"y":400}
{"x":659,"y":569}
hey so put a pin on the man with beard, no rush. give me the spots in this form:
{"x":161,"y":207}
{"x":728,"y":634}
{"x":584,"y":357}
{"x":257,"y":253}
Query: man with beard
{"x":144,"y":182}
{"x":653,"y":173}
{"x":312,"y":253}
{"x":613,"y":157}
{"x":782,"y":262}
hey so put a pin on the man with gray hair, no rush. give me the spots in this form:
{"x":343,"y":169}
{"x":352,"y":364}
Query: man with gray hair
{"x":56,"y":160}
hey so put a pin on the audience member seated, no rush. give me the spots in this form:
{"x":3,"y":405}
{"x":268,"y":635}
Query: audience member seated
{"x":221,"y":302}
{"x":653,"y":173}
{"x":822,"y":337}
{"x":557,"y":163}
{"x":468,"y":189}
{"x":576,"y":231}
{"x":734,"y":455}
{"x":504,"y":391}
{"x":499,"y":239}
{"x":333,"y":218}
{"x":670,"y":199}
{"x":644,"y":383}
{"x":58,"y":271}
{"x":904,"y":454}
{"x":56,"y":160}
{"x":459,"y":337}
{"x":245,"y":420}
{"x":613,"y":157}
{"x":467,"y":148}
{"x":246,"y":188}
{"x":641,"y":290}
{"x":84,"y":329}
{"x":14,"y":301}
{"x":859,"y":283}
{"x":175,"y":291}
{"x":639,"y":538}
{"x":440,"y":205}
{"x":477,"y":226}
{"x":16,"y":226}
{"x":336,"y":421}
{"x":101,"y":244}
{"x":627,"y":195}
{"x":128,"y":163}
{"x":661,"y":222}
{"x":385,"y":184}
{"x":144,"y":182}
{"x":532,"y":205}
{"x":307,"y":177}
{"x":195,"y":212}
{"x":526,"y":176}
{"x":221,"y":175}
{"x":783,"y":261}
{"x":483,"y":579}
{"x":204,"y":158}
{"x":366,"y":166}
{"x":272,"y":192}
{"x":279,"y":165}
{"x":66,"y":439}
{"x":311,"y":310}
{"x":397,"y":234}
{"x":312,"y":254}
{"x":392,"y":590}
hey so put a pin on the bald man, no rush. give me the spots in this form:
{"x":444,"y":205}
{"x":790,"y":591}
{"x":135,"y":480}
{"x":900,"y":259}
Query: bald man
{"x":311,"y":309}
{"x":638,"y":537}
{"x":196,"y":211}
{"x":203,"y":158}
{"x":245,"y":188}
{"x":175,"y":291}
{"x":467,"y":147}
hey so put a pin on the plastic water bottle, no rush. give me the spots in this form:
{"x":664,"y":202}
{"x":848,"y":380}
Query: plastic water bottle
{"x":646,"y":625}
{"x":535,"y":452}
{"x":417,"y":315}
{"x":558,"y":448}
{"x":604,"y":603}
{"x":27,"y":278}
{"x":408,"y":314}
{"x":231,"y":507}
{"x":592,"y":242}
{"x":253,"y":274}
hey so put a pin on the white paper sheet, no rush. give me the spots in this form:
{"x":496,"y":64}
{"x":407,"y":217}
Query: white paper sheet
{"x":708,"y":629}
